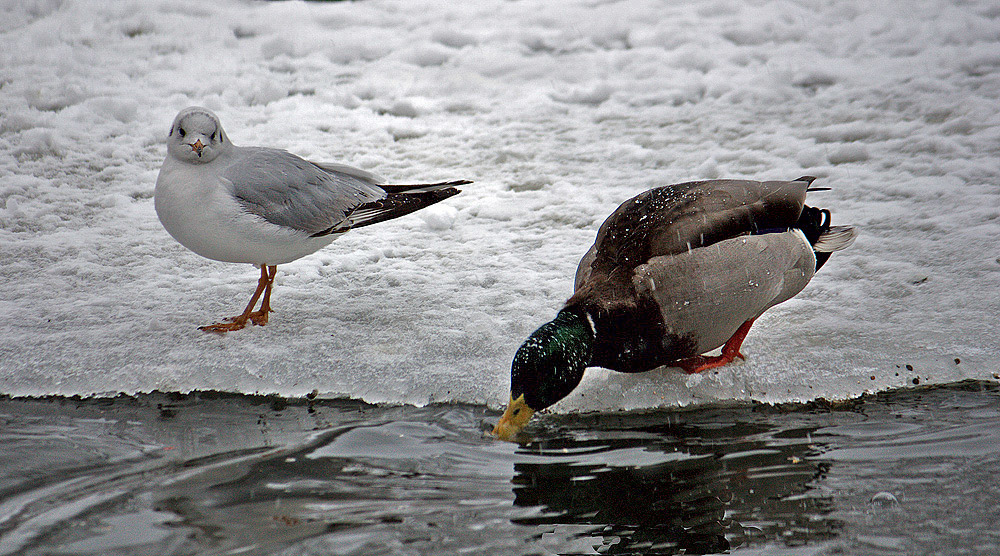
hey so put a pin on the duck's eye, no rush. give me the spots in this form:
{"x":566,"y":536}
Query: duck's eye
{"x":181,"y":132}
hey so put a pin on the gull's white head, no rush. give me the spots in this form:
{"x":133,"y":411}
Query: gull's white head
{"x":196,"y":136}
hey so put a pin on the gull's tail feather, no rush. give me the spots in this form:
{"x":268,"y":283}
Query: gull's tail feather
{"x":422,"y":188}
{"x":400,"y":201}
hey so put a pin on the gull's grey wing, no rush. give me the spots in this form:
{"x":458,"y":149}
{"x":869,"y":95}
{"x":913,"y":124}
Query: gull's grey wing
{"x":290,"y":191}
{"x":362,"y":175}
{"x":705,"y":294}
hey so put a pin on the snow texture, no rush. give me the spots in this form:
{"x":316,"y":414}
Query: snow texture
{"x":560,"y":111}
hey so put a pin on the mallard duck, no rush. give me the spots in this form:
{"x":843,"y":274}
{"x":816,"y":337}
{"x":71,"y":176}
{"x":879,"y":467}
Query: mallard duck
{"x":675,"y":272}
{"x":266,"y":206}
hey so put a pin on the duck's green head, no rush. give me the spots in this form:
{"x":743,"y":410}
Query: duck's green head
{"x":546,"y":368}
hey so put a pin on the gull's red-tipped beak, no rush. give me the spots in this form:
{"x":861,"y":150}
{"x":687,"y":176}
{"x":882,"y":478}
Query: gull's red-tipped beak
{"x":197,"y":146}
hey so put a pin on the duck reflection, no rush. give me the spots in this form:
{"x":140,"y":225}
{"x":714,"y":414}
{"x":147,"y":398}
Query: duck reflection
{"x":701,"y":484}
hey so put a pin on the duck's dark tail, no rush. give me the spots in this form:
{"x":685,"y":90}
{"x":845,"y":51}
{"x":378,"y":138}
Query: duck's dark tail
{"x":825,"y":239}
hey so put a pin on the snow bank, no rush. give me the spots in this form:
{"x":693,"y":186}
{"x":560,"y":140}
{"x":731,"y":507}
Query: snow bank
{"x":559,"y":111}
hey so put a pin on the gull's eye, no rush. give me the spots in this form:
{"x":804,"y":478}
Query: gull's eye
{"x":213,"y":136}
{"x":181,"y":132}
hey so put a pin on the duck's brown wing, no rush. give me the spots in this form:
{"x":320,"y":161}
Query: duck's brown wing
{"x":676,"y":218}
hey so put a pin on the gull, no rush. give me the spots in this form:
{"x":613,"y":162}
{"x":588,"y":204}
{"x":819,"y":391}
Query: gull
{"x":266,"y":206}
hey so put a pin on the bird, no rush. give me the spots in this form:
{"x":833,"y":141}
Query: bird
{"x":675,"y":272}
{"x":266,"y":206}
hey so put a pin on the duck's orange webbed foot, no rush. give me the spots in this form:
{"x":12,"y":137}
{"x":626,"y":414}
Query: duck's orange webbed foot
{"x":730,"y":352}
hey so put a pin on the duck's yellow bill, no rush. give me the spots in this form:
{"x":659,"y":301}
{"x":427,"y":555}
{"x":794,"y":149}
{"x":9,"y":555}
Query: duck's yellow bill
{"x":514,"y":419}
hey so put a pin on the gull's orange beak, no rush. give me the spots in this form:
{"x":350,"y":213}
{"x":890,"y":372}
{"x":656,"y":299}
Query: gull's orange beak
{"x":514,"y":419}
{"x":197,"y":146}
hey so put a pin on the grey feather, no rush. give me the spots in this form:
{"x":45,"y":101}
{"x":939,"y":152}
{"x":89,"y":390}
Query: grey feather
{"x":290,"y":191}
{"x":363,"y":175}
{"x":707,"y":293}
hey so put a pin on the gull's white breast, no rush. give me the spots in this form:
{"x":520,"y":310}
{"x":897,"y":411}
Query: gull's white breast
{"x":197,"y":208}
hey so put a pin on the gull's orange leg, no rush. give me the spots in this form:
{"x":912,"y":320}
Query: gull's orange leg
{"x":238,"y":322}
{"x":260,"y":317}
{"x":730,"y":352}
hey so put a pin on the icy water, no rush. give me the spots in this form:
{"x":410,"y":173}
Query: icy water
{"x":910,"y":472}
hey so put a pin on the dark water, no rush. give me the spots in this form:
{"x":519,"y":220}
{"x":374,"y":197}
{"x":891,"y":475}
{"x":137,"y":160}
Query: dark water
{"x":907,"y":472}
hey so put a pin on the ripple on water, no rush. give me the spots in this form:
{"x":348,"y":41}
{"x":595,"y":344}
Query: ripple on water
{"x":212,"y":473}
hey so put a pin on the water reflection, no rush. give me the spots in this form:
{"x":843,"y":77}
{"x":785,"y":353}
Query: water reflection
{"x":701,"y":483}
{"x":222,"y":474}
{"x":384,"y":481}
{"x":227,"y":475}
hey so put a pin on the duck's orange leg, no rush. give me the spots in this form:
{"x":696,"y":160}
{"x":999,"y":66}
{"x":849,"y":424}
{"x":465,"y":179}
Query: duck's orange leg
{"x":730,"y":352}
{"x":259,"y":317}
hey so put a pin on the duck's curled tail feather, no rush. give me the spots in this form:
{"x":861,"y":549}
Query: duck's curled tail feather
{"x":825,"y":239}
{"x":835,"y":238}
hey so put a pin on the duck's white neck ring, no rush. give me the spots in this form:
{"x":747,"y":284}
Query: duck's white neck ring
{"x":590,"y":322}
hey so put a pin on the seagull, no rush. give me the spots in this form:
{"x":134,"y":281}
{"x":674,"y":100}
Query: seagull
{"x":266,"y":206}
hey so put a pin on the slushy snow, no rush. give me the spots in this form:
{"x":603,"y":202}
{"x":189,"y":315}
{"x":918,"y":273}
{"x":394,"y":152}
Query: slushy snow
{"x":559,"y":111}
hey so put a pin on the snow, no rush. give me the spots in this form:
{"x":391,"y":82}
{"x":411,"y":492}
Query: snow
{"x":559,"y":111}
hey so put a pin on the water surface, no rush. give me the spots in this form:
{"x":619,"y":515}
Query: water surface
{"x":904,"y":472}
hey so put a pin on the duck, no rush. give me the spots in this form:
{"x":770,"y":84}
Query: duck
{"x":675,"y":272}
{"x":266,"y":206}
